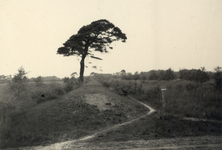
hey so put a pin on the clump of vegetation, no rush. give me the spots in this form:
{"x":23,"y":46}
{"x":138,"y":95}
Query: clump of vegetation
{"x":38,"y":81}
{"x":70,"y":83}
{"x":19,"y":83}
{"x":47,"y":92}
{"x":168,"y":74}
{"x":199,"y":75}
{"x":218,"y":78}
{"x":162,"y":75}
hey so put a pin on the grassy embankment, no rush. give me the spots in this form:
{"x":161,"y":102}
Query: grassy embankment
{"x":152,"y":127}
{"x":65,"y":117}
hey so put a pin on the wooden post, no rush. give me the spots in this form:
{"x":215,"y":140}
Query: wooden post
{"x":163,"y":97}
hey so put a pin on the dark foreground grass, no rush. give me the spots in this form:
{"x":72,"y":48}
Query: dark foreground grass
{"x":43,"y":126}
{"x":155,"y":127}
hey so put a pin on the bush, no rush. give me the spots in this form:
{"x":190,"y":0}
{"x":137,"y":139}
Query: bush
{"x":191,"y":86}
{"x":70,"y":83}
{"x":47,"y":92}
{"x":217,"y":80}
{"x":19,"y":82}
{"x":154,"y":92}
{"x":38,"y":81}
{"x":194,"y":75}
{"x":57,"y":88}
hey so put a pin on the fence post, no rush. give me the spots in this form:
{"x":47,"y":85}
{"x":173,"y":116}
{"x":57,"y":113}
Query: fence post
{"x":163,"y":97}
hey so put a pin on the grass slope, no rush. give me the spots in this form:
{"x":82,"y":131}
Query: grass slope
{"x":68,"y":117}
{"x":156,"y":127}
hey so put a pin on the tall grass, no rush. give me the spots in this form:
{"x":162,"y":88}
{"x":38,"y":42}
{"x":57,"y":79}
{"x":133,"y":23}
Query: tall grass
{"x":190,"y":99}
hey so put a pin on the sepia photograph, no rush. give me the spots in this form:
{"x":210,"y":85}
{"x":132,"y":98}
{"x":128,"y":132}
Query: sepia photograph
{"x":110,"y":74}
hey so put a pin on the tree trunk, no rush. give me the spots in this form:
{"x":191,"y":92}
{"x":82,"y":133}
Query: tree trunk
{"x":82,"y":67}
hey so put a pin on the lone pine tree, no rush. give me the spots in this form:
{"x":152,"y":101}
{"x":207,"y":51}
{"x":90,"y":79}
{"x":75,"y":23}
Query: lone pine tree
{"x":96,"y":36}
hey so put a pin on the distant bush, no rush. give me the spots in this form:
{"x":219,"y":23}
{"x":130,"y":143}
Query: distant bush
{"x":70,"y":83}
{"x":217,"y":80}
{"x":38,"y":81}
{"x":198,"y":76}
{"x":19,"y":83}
{"x":47,"y":92}
{"x":57,"y":88}
{"x":122,"y":87}
{"x":168,"y":75}
{"x":151,"y":75}
{"x":154,"y":92}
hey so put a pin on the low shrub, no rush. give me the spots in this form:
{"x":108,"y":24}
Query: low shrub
{"x":191,"y":86}
{"x":154,"y":92}
{"x":38,"y":81}
{"x":47,"y":92}
{"x":70,"y":84}
{"x":19,"y":83}
{"x":57,"y":89}
{"x":218,"y":80}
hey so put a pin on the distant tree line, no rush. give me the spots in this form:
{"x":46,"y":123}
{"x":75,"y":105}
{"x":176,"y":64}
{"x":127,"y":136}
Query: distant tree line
{"x":168,"y":74}
{"x":197,"y":75}
{"x":47,"y":78}
{"x":5,"y":78}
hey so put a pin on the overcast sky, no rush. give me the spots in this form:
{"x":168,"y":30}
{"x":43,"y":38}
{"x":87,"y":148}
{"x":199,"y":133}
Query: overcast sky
{"x":161,"y":34}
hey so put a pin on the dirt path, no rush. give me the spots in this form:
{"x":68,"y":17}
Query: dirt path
{"x":66,"y":145}
{"x":198,"y":119}
{"x":150,"y":108}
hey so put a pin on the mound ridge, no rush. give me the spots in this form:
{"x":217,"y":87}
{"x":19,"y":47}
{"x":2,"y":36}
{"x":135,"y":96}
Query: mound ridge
{"x":81,"y":112}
